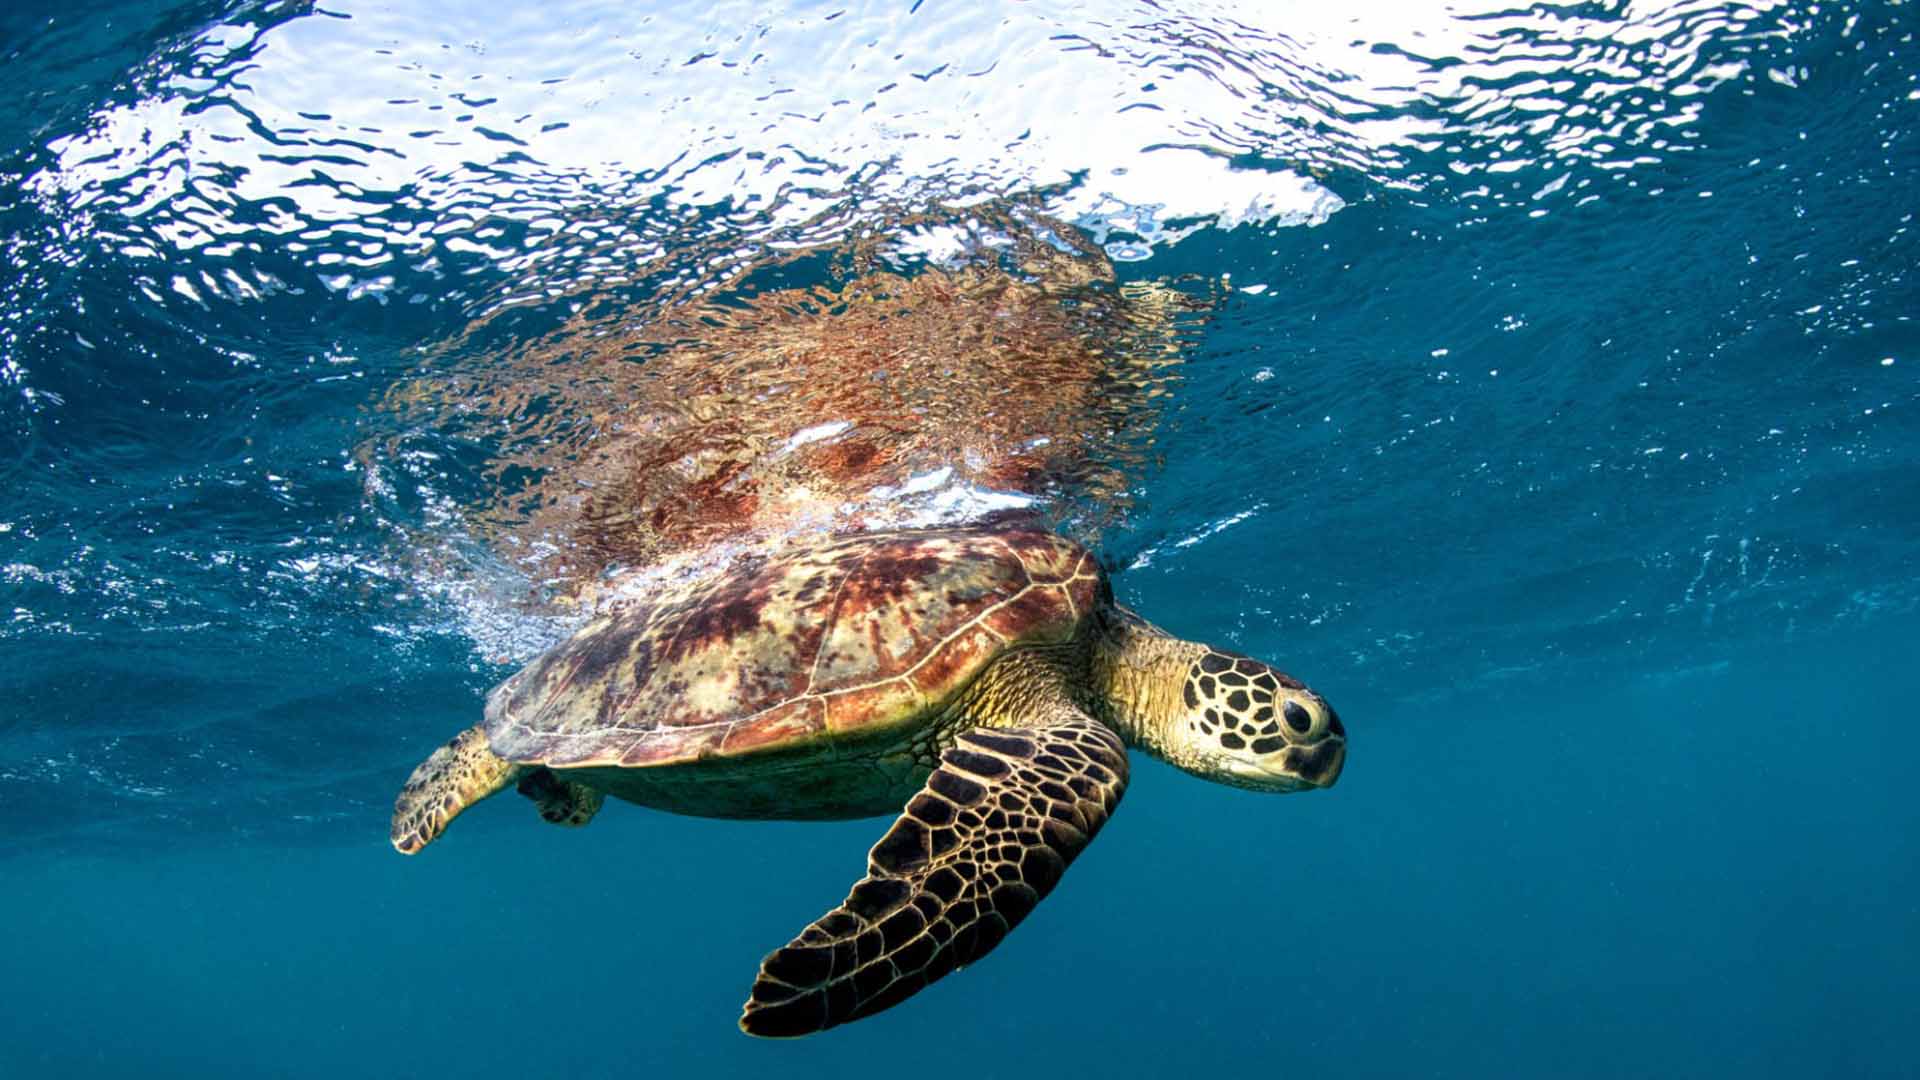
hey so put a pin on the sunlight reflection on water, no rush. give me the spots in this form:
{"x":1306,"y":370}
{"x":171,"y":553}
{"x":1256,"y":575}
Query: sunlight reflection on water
{"x":582,"y":144}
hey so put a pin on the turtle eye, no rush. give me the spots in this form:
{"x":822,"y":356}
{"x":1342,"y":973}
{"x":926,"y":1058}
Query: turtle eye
{"x":1304,"y":724}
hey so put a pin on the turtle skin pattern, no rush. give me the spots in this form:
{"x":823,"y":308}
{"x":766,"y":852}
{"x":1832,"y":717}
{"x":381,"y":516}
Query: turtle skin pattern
{"x":455,"y":776}
{"x":983,"y":842}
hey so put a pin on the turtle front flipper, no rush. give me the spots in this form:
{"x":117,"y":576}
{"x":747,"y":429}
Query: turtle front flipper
{"x":561,"y":802}
{"x":452,"y":778}
{"x":983,"y":842}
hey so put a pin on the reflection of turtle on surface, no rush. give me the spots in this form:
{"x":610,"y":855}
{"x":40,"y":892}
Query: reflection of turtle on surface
{"x":1034,"y":374}
{"x":984,"y":678}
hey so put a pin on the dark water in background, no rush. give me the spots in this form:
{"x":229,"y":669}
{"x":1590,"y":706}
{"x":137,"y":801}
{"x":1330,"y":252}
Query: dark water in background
{"x":1571,"y":448}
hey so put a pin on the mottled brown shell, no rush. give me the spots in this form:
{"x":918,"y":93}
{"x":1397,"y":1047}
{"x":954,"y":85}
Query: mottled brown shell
{"x":861,"y":634}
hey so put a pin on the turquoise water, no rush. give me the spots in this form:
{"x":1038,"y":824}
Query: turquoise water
{"x":1560,"y":425}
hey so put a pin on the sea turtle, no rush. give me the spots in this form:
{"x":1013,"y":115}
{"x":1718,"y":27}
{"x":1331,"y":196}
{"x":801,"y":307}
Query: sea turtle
{"x":984,"y":677}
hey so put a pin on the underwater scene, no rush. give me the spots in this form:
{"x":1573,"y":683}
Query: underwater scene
{"x":1454,"y":468}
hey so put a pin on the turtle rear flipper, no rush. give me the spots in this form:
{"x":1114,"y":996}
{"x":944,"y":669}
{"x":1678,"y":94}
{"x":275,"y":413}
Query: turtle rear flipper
{"x":452,"y":778}
{"x":983,"y":842}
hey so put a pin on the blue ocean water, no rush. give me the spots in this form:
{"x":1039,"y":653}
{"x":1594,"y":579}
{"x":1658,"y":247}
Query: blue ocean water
{"x":1557,"y":419}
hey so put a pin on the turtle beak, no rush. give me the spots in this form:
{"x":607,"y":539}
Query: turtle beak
{"x":1318,"y":765}
{"x":1297,"y":768}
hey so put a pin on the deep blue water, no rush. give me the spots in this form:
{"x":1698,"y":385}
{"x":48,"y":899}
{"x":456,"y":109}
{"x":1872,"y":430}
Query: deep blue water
{"x":1561,"y":425}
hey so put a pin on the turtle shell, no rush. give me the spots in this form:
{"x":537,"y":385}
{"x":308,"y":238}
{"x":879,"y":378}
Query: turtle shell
{"x":860,"y":635}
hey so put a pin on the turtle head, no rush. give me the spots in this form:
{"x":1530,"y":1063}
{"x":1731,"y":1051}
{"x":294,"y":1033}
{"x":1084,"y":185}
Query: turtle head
{"x":1216,"y":714}
{"x":1245,"y":723}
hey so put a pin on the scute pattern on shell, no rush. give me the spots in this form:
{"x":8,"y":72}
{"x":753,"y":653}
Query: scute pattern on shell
{"x":857,"y":634}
